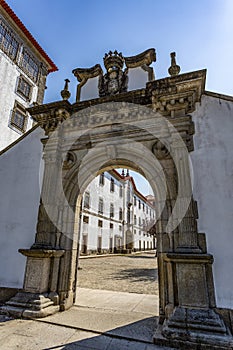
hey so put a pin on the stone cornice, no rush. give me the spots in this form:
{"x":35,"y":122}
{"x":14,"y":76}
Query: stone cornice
{"x":178,"y":94}
{"x":173,"y":97}
{"x":48,"y":116}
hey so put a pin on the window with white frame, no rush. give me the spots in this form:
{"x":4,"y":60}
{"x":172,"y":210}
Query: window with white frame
{"x":101,"y":179}
{"x":86,"y":203}
{"x":120,"y":214}
{"x":135,"y":220}
{"x":101,"y":206}
{"x":121,"y":191}
{"x":86,"y":219}
{"x":112,"y":185}
{"x":111,"y":210}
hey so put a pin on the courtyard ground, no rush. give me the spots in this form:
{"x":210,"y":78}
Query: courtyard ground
{"x":135,"y":273}
{"x":116,"y":309}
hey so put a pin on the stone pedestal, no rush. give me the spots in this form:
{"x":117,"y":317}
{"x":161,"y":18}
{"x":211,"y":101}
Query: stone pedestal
{"x":195,"y":329}
{"x":39,"y":297}
{"x":191,"y":322}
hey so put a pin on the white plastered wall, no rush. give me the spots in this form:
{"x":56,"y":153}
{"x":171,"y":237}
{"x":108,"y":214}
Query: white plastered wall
{"x":20,"y":194}
{"x":212,"y":162}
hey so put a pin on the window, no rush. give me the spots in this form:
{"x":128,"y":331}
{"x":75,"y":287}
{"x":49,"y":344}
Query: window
{"x":139,"y":221}
{"x":101,"y":206}
{"x":86,"y":203}
{"x":143,"y":223}
{"x":120,"y":214}
{"x":111,"y":210}
{"x":100,"y":223}
{"x":101,"y":182}
{"x":120,"y":228}
{"x":111,"y":226}
{"x":29,"y":65}
{"x":139,"y":204}
{"x":24,"y":88}
{"x":8,"y":42}
{"x":121,"y":191}
{"x":86,"y":219}
{"x":112,"y":185}
{"x":135,"y":220}
{"x":19,"y":117}
{"x":135,"y":231}
{"x":147,"y":209}
{"x":143,"y":206}
{"x":135,"y":200}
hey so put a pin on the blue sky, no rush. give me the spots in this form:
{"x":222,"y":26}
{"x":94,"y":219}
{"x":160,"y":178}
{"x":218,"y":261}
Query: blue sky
{"x":77,"y":33}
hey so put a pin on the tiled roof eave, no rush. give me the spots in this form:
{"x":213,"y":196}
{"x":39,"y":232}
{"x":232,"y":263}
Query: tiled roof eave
{"x":25,"y":31}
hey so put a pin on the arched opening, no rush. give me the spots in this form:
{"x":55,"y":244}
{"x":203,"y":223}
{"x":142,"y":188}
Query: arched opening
{"x":117,"y":263}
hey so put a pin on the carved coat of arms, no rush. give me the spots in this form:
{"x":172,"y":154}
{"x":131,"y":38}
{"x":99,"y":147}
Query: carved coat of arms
{"x":115,"y":80}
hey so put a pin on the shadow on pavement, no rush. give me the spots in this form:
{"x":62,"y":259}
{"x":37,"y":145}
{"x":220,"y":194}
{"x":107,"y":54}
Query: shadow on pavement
{"x":135,"y":336}
{"x":152,"y":256}
{"x":137,"y":275}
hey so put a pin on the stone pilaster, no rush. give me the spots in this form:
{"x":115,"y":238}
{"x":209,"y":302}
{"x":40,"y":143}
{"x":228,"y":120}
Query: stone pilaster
{"x":41,"y":84}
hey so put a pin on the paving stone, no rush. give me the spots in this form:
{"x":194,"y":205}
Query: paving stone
{"x":28,"y":335}
{"x":121,"y":344}
{"x":134,"y":273}
{"x":87,"y":340}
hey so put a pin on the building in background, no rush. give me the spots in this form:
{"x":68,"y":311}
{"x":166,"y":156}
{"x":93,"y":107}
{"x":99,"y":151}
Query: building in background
{"x":24,"y":66}
{"x":116,"y":217}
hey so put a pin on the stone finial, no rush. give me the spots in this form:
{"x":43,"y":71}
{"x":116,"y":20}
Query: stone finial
{"x":174,"y":69}
{"x":127,"y":173}
{"x":123,"y":173}
{"x":65,"y":94}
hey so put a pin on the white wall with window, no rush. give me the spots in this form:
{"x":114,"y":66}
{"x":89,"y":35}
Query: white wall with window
{"x":21,"y":76}
{"x":108,"y":202}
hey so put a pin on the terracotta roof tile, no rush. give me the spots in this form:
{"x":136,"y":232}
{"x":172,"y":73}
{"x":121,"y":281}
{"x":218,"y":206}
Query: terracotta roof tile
{"x":21,"y":26}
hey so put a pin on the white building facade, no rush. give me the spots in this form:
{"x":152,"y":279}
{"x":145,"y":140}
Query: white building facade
{"x":24,"y":66}
{"x":116,"y":217}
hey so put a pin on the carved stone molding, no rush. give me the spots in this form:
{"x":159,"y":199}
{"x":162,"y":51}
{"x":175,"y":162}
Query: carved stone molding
{"x":177,"y":95}
{"x":160,"y":150}
{"x":51,"y":115}
{"x":144,"y":58}
{"x":69,"y":160}
{"x":83,"y":74}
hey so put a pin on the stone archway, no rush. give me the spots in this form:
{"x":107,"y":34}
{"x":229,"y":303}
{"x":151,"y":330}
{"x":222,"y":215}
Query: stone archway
{"x":80,"y":142}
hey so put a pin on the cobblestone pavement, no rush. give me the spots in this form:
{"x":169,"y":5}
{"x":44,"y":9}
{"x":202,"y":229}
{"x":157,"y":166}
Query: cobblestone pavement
{"x":135,"y":273}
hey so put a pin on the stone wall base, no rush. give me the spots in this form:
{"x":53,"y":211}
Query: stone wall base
{"x":31,"y":305}
{"x":6,"y":293}
{"x":227,"y":315}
